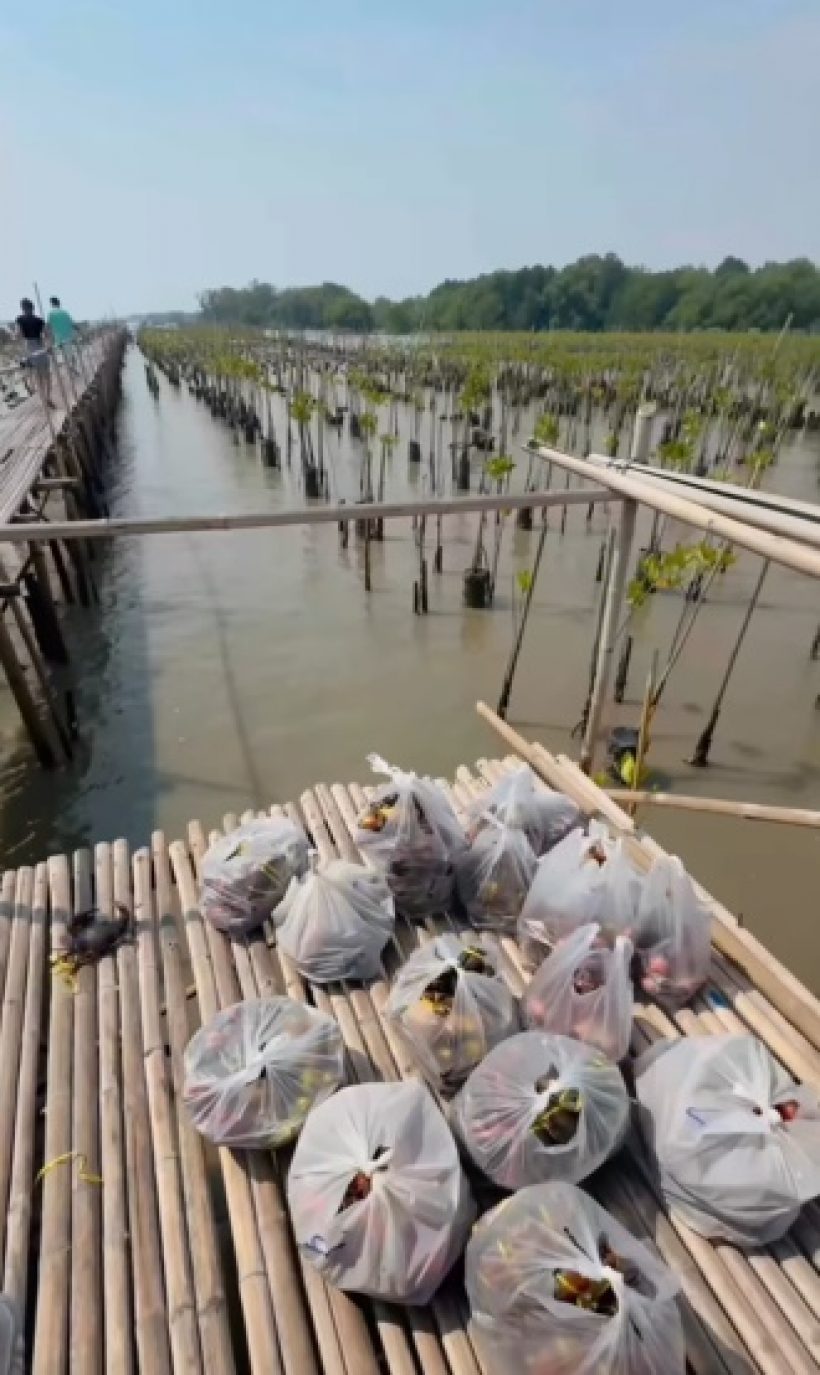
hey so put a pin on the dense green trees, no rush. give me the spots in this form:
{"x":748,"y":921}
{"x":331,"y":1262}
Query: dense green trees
{"x":594,"y":293}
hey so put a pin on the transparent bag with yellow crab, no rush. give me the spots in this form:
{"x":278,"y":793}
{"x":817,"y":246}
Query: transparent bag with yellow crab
{"x":558,"y":1287}
{"x":450,"y":1003}
{"x":520,"y":800}
{"x":246,"y":874}
{"x":584,"y":989}
{"x":494,"y":875}
{"x":252,"y":1073}
{"x":412,"y":833}
{"x":540,"y":1107}
{"x":586,"y":878}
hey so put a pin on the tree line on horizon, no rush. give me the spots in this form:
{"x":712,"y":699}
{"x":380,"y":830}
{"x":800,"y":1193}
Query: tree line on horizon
{"x":593,"y":294}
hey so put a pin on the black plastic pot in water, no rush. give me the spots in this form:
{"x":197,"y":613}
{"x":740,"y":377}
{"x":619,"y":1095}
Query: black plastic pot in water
{"x":413,"y":451}
{"x":477,"y":588}
{"x":524,"y":518}
{"x":622,"y":740}
{"x":463,"y":475}
{"x":270,"y":453}
{"x":355,"y":427}
{"x":312,"y":486}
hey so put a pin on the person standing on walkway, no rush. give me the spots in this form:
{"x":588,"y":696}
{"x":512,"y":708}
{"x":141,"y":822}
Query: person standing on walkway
{"x":63,"y":331}
{"x":32,"y":329}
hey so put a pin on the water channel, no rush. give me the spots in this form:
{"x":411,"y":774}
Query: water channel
{"x":224,"y":671}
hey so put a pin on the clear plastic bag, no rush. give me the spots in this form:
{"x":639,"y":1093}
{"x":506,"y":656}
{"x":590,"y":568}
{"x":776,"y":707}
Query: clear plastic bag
{"x":586,"y":878}
{"x":335,"y":922}
{"x":558,"y":1287}
{"x":12,"y":1351}
{"x":378,"y":1200}
{"x":253,"y":1073}
{"x":451,"y":1005}
{"x":737,"y":1143}
{"x":673,"y":937}
{"x":247,"y":873}
{"x":494,"y":875}
{"x":411,"y":831}
{"x":541,"y":1107}
{"x":520,"y":800}
{"x":583,"y":989}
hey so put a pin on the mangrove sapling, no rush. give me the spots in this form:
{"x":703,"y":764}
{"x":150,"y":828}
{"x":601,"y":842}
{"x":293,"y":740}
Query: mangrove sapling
{"x":700,"y":758}
{"x":499,"y":470}
{"x":301,"y":409}
{"x":526,"y":580}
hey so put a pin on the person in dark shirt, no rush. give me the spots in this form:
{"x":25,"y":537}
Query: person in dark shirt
{"x":32,"y":330}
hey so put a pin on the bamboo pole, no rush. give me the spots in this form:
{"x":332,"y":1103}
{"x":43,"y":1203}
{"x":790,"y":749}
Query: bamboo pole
{"x":18,"y":1222}
{"x":292,"y":1329}
{"x":614,"y":594}
{"x":719,"y":806}
{"x":182,"y":1324}
{"x":780,"y":986}
{"x":787,"y":552}
{"x":51,"y":1317}
{"x":205,"y":1259}
{"x":85,"y":1348}
{"x":107,"y":526}
{"x":254,"y":1293}
{"x":6,"y":921}
{"x":116,"y":1276}
{"x":153,"y":1347}
{"x":11,"y":1033}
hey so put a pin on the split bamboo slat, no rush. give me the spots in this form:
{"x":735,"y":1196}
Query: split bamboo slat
{"x":133,"y":1246}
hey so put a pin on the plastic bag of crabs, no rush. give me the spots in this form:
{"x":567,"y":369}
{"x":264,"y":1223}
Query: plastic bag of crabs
{"x":520,"y":800}
{"x":410,"y":830}
{"x":558,"y":1287}
{"x":254,"y":1071}
{"x":335,"y":921}
{"x":584,"y":989}
{"x":246,"y":874}
{"x":672,"y":935}
{"x":494,"y":876}
{"x":586,"y":878}
{"x":736,"y":1141}
{"x":450,"y":1003}
{"x":378,"y":1199}
{"x":541,"y":1107}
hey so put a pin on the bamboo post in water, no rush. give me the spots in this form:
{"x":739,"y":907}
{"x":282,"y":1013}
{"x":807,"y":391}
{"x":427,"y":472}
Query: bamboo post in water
{"x":613,"y":594}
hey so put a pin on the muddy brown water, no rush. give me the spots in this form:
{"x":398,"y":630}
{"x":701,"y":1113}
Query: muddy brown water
{"x":224,"y":671}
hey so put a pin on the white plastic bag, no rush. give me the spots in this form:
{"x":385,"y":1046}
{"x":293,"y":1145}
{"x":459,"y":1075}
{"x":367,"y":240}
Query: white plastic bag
{"x":737,"y":1143}
{"x":583,"y":989}
{"x":552,"y":1239}
{"x":412,"y":832}
{"x":253,"y":1073}
{"x":541,"y":1107}
{"x":494,"y":875}
{"x":451,"y":1005}
{"x":672,"y":934}
{"x":377,"y":1197}
{"x":335,"y":921}
{"x":586,"y":878}
{"x":246,"y":874}
{"x":520,"y":800}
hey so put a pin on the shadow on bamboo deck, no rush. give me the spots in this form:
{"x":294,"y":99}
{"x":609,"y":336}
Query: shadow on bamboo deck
{"x":132,"y":1246}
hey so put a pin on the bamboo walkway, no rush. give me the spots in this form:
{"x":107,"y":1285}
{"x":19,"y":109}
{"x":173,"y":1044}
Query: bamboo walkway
{"x":28,"y":431}
{"x":133,"y":1246}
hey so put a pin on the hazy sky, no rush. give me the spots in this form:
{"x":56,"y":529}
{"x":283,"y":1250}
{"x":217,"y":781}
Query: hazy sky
{"x":150,"y":148}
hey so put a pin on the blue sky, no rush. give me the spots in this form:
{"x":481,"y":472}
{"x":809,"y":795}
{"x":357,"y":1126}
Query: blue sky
{"x":148,"y":150}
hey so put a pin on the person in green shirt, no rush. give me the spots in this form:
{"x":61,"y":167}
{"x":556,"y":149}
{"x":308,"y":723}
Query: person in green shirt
{"x":63,"y":332}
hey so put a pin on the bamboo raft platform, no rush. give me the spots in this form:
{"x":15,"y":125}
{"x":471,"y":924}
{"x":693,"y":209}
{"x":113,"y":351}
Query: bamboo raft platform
{"x":132,"y":1245}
